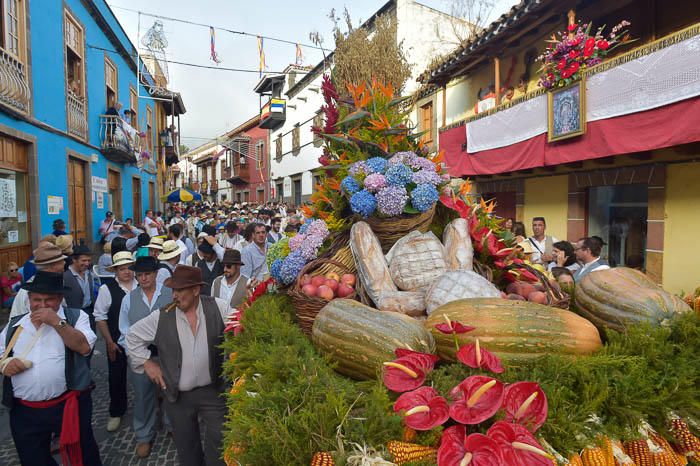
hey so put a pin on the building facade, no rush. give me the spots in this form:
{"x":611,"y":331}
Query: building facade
{"x":64,"y":64}
{"x":630,"y":177}
{"x":291,"y":102}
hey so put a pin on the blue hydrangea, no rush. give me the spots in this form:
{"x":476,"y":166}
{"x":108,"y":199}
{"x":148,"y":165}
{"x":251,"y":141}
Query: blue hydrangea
{"x":391,"y":200}
{"x":309,"y":247}
{"x":275,"y":268}
{"x":399,"y":175}
{"x":423,"y":197}
{"x":305,"y":226}
{"x":363,"y":203}
{"x":291,"y":266}
{"x":407,"y":158}
{"x":319,"y":228}
{"x":421,"y":163}
{"x":358,"y":168}
{"x":376,"y":165}
{"x":349,"y":185}
{"x":426,"y":177}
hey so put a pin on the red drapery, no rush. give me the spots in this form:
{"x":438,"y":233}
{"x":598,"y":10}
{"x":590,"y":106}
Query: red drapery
{"x":638,"y":132}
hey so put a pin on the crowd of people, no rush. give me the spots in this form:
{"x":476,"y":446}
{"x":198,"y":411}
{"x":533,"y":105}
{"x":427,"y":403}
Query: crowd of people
{"x":158,"y":295}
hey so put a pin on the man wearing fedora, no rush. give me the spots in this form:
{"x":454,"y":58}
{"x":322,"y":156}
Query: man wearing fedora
{"x":232,"y":287}
{"x":188,"y":371}
{"x":47,"y":257}
{"x":137,"y":305}
{"x":107,"y":307}
{"x":209,"y":264}
{"x":47,"y":379}
{"x":80,"y":282}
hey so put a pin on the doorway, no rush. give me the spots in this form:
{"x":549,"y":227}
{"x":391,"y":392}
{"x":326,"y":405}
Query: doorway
{"x":152,"y":195}
{"x":114,"y":193}
{"x":136,"y":199}
{"x":77,"y":199}
{"x":297,"y":193}
{"x":15,"y":226}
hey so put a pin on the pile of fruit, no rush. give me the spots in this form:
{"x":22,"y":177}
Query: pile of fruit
{"x":328,"y":286}
{"x":526,"y":291}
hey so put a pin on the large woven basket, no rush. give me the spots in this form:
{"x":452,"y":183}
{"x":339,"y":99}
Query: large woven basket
{"x":390,"y":230}
{"x":307,"y":307}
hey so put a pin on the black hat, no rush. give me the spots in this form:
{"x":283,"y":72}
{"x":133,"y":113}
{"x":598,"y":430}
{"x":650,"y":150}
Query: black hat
{"x":206,"y":248}
{"x":81,"y":250}
{"x":46,"y":282}
{"x":145,"y":264}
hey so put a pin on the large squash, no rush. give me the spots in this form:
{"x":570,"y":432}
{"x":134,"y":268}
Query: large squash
{"x":514,"y":330}
{"x":359,"y":338}
{"x":617,"y":297}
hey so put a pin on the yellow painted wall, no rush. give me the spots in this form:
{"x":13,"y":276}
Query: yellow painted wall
{"x":547,"y":197}
{"x":681,"y":253}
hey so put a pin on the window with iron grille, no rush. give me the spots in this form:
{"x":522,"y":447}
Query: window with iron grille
{"x":318,"y":123}
{"x":260,"y":153}
{"x":296,"y":140}
{"x":278,"y":148}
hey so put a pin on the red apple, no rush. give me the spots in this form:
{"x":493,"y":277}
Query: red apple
{"x":345,"y":290}
{"x":332,"y":284}
{"x":348,"y":279}
{"x":537,"y":297}
{"x":333,"y":276}
{"x":318,"y":280}
{"x":305,"y":279}
{"x":325,"y":292}
{"x":309,"y":289}
{"x":515,"y":297}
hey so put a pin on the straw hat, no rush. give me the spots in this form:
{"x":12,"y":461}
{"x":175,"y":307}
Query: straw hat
{"x":170,"y":249}
{"x":156,"y":243}
{"x":120,"y":258}
{"x":65,"y":242}
{"x":48,"y":253}
{"x":526,"y":246}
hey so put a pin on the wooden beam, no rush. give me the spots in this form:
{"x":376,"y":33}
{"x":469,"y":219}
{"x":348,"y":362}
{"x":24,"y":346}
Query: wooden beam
{"x":497,"y":79}
{"x":646,"y":155}
{"x":605,"y":160}
{"x":549,"y":168}
{"x":574,"y":164}
{"x":444,"y":105}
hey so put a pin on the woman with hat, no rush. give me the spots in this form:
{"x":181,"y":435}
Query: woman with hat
{"x":188,"y":369}
{"x":137,"y":305}
{"x":232,"y":287}
{"x":46,"y":395}
{"x":107,"y":306}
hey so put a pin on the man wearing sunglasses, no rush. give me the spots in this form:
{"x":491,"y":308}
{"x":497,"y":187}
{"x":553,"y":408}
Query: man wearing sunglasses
{"x":232,"y":287}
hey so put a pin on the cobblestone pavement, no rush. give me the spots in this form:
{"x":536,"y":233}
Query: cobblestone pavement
{"x":117,"y":448}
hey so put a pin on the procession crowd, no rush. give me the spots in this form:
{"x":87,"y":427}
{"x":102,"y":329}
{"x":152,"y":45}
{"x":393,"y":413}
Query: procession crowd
{"x":159,"y":295}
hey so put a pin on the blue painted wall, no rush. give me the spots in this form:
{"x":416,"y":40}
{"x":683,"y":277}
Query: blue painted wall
{"x":48,"y":83}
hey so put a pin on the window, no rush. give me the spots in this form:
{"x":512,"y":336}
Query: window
{"x":149,"y":130}
{"x":75,"y":52}
{"x":260,"y":153}
{"x":278,"y":148}
{"x":134,"y":107}
{"x":111,"y":83}
{"x":296,"y":137}
{"x":318,"y":123}
{"x":13,"y":27}
{"x":426,"y":123}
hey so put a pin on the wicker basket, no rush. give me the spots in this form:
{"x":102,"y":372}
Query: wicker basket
{"x":390,"y":230}
{"x":307,"y":307}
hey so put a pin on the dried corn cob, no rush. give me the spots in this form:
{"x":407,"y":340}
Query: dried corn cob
{"x":661,"y":459}
{"x":404,"y":452}
{"x":322,"y":458}
{"x":575,"y":460}
{"x":620,"y":457}
{"x":595,"y":456}
{"x":639,"y":451}
{"x":686,"y":443}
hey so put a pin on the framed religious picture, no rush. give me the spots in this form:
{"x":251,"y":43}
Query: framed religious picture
{"x":566,"y":111}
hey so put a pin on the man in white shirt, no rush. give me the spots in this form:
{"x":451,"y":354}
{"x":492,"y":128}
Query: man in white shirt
{"x":254,"y":255}
{"x":150,"y":224}
{"x":171,"y":255}
{"x":45,"y":395}
{"x":175,"y":234}
{"x":588,"y":254}
{"x":188,"y":371}
{"x":177,"y":219}
{"x":107,"y":306}
{"x":542,"y":244}
{"x":231,"y":287}
{"x":230,"y":238}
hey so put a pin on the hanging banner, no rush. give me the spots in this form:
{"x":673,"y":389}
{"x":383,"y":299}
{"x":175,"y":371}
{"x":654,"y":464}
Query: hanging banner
{"x":261,"y":53}
{"x":212,"y":39}
{"x":299,"y":55}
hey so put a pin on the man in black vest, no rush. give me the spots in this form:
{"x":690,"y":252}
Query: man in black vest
{"x":209,"y":264}
{"x":107,"y":305}
{"x":80,"y":281}
{"x":47,"y":379}
{"x":187,"y":335}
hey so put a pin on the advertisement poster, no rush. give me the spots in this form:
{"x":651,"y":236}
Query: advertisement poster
{"x":55,"y":204}
{"x":8,"y":198}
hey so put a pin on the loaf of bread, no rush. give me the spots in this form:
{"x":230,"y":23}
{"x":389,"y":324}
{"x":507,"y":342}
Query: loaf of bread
{"x":372,"y":269}
{"x":459,"y":252}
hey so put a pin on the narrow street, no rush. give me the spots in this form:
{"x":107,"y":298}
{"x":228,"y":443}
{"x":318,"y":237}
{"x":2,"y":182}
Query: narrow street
{"x":117,"y":449}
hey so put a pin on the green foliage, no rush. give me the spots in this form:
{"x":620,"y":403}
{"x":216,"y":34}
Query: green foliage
{"x":300,"y":405}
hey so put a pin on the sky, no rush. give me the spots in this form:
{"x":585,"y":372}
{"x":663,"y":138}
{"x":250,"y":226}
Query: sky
{"x":217,"y":100}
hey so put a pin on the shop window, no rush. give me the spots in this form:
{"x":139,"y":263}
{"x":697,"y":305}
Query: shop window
{"x":14,"y":226}
{"x":618,"y":214}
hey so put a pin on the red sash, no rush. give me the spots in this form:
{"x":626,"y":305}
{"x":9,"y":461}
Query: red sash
{"x":70,"y":427}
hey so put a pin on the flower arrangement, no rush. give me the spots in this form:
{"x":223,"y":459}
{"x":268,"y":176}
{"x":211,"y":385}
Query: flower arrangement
{"x":405,"y":183}
{"x":288,"y":258}
{"x":572,"y":51}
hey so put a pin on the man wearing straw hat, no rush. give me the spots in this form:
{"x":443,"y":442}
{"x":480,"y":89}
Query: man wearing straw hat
{"x":187,"y":334}
{"x":171,"y":254}
{"x":137,"y":305}
{"x":47,"y":379}
{"x":107,"y":307}
{"x":155,"y":247}
{"x":47,"y":257}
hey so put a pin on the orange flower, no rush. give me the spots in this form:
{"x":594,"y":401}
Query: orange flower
{"x":381,"y":124}
{"x":438,"y":158}
{"x":466,"y":188}
{"x":333,"y":184}
{"x":307,"y":211}
{"x":384,"y":146}
{"x":323,"y":215}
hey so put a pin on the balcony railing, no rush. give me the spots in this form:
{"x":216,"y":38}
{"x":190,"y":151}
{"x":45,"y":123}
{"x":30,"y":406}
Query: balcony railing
{"x":240,"y":174}
{"x":226,"y":173}
{"x":120,"y":142}
{"x":77,"y":120}
{"x":14,"y":88}
{"x":214,"y":186}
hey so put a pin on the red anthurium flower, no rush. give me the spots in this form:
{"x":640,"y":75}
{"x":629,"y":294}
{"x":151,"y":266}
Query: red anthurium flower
{"x":574,"y":67}
{"x":476,"y":357}
{"x":561,"y":64}
{"x":455,"y":204}
{"x":423,"y":409}
{"x":573,"y":54}
{"x":603,"y":44}
{"x":403,"y":374}
{"x":518,"y":445}
{"x":526,"y":404}
{"x":477,"y":398}
{"x":424,"y":360}
{"x":571,"y":27}
{"x":451,"y":326}
{"x":458,"y":450}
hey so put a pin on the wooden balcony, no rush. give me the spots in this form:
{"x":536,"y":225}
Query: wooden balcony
{"x":273,"y":114}
{"x":14,"y":86}
{"x":120,"y":142}
{"x":240,"y":174}
{"x":214,"y":186}
{"x":77,"y":119}
{"x":226,"y":173}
